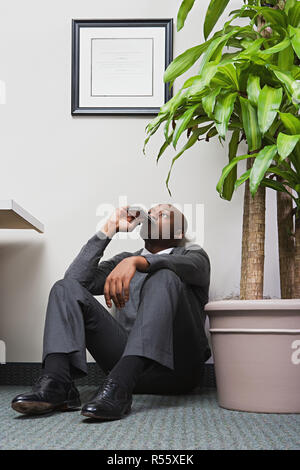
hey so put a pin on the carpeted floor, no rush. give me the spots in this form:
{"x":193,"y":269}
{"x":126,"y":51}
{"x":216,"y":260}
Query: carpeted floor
{"x":186,"y":422}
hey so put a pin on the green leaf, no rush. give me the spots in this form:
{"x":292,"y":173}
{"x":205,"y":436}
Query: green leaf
{"x":213,"y":46}
{"x":292,"y":86}
{"x":276,"y":185}
{"x":234,"y":42}
{"x":199,"y":120}
{"x":203,"y":81}
{"x":289,"y":176}
{"x":295,"y":72}
{"x":250,"y":124}
{"x":181,"y":124}
{"x":253,"y":89}
{"x":216,"y":56}
{"x":242,"y":178}
{"x":275,"y":17}
{"x":286,"y":144}
{"x":237,"y":15}
{"x":184,"y":61}
{"x":180,"y":97}
{"x":251,"y":49}
{"x":228,"y":186}
{"x":192,"y":140}
{"x":295,"y":39}
{"x":243,"y":13}
{"x":169,"y":105}
{"x":191,"y":81}
{"x":261,"y":163}
{"x":152,"y":127}
{"x":294,"y":15}
{"x":211,"y":133}
{"x":253,"y":2}
{"x":271,"y":132}
{"x":183,"y":11}
{"x":268,"y":105}
{"x":290,"y":122}
{"x":223,"y":110}
{"x":228,"y":74}
{"x":286,"y":58}
{"x":164,"y":146}
{"x":213,"y":13}
{"x":292,"y":125}
{"x":227,"y":169}
{"x":282,"y":45}
{"x":167,"y":126}
{"x":289,"y":4}
{"x":208,"y":101}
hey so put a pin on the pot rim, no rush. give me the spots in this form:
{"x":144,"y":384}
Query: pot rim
{"x":290,"y":331}
{"x":260,"y":304}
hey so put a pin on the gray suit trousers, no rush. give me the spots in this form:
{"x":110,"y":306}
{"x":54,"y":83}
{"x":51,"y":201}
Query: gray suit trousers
{"x":164,"y":330}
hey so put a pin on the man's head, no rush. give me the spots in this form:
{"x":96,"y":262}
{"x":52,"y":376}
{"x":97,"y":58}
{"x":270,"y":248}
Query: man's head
{"x":169,"y":224}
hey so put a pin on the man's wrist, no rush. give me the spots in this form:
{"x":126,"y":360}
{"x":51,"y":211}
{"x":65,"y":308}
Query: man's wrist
{"x":141,"y":263}
{"x":109,"y":230}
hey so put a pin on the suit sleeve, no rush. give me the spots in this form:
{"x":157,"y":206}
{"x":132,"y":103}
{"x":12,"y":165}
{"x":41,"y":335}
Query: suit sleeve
{"x":193,"y":267}
{"x":86,"y":268}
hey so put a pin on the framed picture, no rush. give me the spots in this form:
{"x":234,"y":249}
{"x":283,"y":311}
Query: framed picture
{"x":118,"y":65}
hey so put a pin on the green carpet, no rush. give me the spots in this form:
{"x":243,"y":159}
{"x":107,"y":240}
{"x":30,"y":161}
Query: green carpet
{"x":185,"y":422}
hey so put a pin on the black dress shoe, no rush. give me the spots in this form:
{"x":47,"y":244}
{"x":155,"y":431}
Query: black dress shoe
{"x":112,"y":401}
{"x":48,"y":394}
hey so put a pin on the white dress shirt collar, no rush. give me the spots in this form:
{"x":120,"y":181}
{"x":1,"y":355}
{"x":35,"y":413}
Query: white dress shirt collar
{"x":147,"y":252}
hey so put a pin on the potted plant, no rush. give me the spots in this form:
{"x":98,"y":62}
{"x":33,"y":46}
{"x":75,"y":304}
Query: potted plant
{"x":252,"y":90}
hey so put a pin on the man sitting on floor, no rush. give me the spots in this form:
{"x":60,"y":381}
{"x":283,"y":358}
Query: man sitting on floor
{"x":155,"y":343}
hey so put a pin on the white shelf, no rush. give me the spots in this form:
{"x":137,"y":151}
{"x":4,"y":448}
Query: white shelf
{"x":13,"y":216}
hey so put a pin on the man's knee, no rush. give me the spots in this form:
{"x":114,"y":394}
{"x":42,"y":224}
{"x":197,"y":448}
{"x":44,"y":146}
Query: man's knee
{"x":66,"y":283}
{"x":70,"y":290}
{"x":166,"y":275}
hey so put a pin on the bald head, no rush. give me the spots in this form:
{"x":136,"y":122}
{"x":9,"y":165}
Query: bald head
{"x":169,"y":224}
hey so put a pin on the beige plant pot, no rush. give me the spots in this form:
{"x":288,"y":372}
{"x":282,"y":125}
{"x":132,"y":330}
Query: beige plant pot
{"x":256,"y":350}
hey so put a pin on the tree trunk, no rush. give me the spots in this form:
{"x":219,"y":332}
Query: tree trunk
{"x":286,"y":244}
{"x":253,"y":243}
{"x":253,"y":254}
{"x":245,"y":241}
{"x":297,"y":260}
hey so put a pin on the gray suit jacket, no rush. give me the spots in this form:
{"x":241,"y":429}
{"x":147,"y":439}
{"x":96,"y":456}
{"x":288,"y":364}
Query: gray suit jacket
{"x":190,"y":263}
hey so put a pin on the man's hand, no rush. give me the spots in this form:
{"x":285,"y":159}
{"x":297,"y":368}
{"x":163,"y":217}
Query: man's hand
{"x":117,"y":282}
{"x":121,"y":221}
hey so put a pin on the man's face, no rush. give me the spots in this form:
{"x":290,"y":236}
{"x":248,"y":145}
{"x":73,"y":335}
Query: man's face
{"x":167,"y":221}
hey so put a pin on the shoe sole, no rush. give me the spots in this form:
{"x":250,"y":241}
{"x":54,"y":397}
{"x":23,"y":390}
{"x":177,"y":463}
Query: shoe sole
{"x":39,"y":407}
{"x":91,"y":415}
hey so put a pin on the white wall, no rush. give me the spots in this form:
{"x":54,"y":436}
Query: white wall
{"x":60,"y":168}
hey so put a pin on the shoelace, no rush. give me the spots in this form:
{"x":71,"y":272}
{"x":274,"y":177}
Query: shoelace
{"x":105,"y":388}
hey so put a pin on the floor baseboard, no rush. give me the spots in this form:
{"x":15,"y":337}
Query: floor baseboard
{"x":24,"y":373}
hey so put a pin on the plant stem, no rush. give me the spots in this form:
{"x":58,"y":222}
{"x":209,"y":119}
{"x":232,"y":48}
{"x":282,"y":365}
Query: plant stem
{"x":286,"y":244}
{"x":296,"y":293}
{"x":252,"y":270}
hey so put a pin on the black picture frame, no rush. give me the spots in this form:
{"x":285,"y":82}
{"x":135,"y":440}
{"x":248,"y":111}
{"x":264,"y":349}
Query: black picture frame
{"x":77,"y":24}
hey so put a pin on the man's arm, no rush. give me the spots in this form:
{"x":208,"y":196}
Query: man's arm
{"x":85,"y":267}
{"x":193,"y":267}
